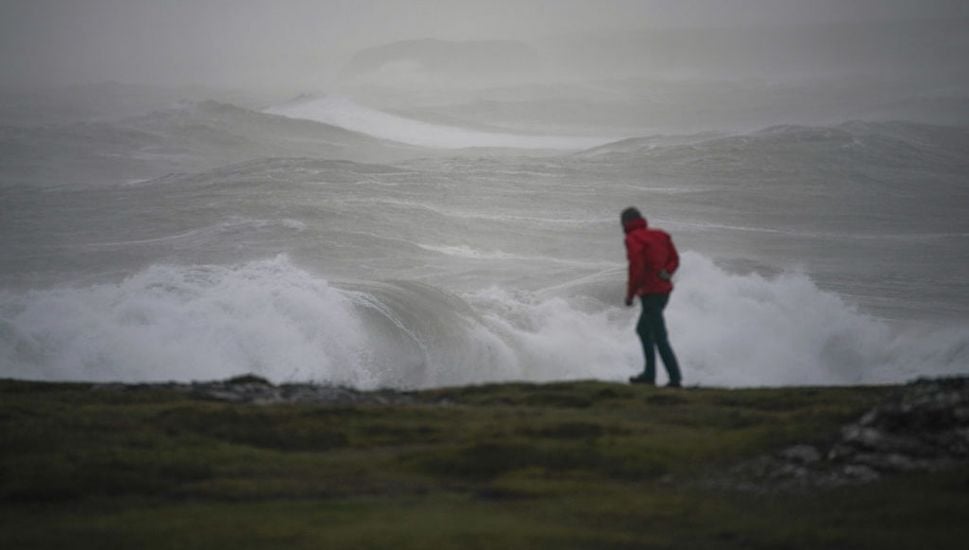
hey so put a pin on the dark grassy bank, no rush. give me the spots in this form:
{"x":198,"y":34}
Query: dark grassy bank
{"x":572,"y":465}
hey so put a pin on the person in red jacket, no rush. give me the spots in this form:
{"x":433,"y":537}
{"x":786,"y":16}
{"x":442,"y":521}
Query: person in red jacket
{"x":652,"y":261}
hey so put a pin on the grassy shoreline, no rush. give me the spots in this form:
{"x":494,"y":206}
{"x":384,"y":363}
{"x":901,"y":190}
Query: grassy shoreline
{"x":575,"y":465}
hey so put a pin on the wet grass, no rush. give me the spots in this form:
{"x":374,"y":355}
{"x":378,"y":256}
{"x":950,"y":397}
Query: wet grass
{"x":569,"y":465}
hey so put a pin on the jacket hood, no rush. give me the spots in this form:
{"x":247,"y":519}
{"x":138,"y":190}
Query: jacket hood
{"x":632,"y":225}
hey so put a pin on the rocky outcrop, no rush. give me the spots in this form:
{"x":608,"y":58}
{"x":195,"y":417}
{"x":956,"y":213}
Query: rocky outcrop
{"x":256,"y":390}
{"x":923,"y":428}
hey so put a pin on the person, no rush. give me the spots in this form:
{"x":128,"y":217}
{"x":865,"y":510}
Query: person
{"x":652,"y":261}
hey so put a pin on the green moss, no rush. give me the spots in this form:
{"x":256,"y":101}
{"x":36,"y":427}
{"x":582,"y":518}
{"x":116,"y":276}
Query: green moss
{"x":285,"y":429}
{"x":567,"y":465}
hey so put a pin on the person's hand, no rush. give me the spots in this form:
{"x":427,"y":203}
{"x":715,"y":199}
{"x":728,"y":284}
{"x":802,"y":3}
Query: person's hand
{"x":665,"y":275}
{"x":629,"y":301}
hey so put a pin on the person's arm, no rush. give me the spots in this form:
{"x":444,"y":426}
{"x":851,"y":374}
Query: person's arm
{"x":672,"y":258}
{"x":637,"y":268}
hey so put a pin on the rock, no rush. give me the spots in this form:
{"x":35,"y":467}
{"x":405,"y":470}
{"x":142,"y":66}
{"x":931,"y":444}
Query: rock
{"x":259,"y":391}
{"x":923,"y":428}
{"x":838,"y":452}
{"x":248,"y":379}
{"x":869,"y":418}
{"x":859,"y":472}
{"x":802,"y":454}
{"x":887,"y":462}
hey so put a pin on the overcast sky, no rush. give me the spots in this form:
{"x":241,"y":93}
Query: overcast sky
{"x":257,"y":42}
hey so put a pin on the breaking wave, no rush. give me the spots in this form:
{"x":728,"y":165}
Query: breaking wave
{"x":275,"y":319}
{"x":345,"y":113}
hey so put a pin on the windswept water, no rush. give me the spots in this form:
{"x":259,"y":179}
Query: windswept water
{"x":810,"y":256}
{"x":346,"y":113}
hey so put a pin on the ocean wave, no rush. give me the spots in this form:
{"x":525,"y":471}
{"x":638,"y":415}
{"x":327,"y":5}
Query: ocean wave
{"x":345,"y":113}
{"x":466,"y":252}
{"x":478,"y":215}
{"x":231,"y":226}
{"x":278,"y":320}
{"x":808,"y":234}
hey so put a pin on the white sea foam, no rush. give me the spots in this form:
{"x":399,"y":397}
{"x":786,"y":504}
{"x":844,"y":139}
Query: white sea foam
{"x":489,"y":216}
{"x":277,"y":320}
{"x":183,"y":323}
{"x":742,"y":330}
{"x":346,"y":113}
{"x":464,"y":251}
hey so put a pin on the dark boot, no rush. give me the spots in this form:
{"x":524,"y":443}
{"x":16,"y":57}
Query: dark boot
{"x":642,"y":379}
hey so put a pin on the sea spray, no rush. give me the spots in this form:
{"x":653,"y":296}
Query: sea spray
{"x":276,"y":319}
{"x":184,"y":323}
{"x":743,"y":330}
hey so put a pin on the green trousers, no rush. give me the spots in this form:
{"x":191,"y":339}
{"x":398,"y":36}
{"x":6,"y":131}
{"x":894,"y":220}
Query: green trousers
{"x":652,"y":332}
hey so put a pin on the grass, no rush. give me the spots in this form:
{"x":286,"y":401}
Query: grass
{"x":570,"y":465}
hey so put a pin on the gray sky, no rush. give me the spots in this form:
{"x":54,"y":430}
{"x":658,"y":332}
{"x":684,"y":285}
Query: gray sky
{"x":265,"y":42}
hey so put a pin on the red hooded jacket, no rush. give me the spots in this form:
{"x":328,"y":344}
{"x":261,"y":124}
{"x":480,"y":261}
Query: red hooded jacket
{"x":649,"y":251}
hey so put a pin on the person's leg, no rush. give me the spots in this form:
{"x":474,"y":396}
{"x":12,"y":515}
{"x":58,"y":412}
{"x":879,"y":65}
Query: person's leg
{"x":661,"y":339}
{"x":644,"y":328}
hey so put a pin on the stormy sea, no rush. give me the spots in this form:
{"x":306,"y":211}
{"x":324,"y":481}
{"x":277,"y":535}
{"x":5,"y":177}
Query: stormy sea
{"x":319,"y":239}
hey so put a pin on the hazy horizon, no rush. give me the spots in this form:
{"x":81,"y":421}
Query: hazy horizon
{"x":298,"y":45}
